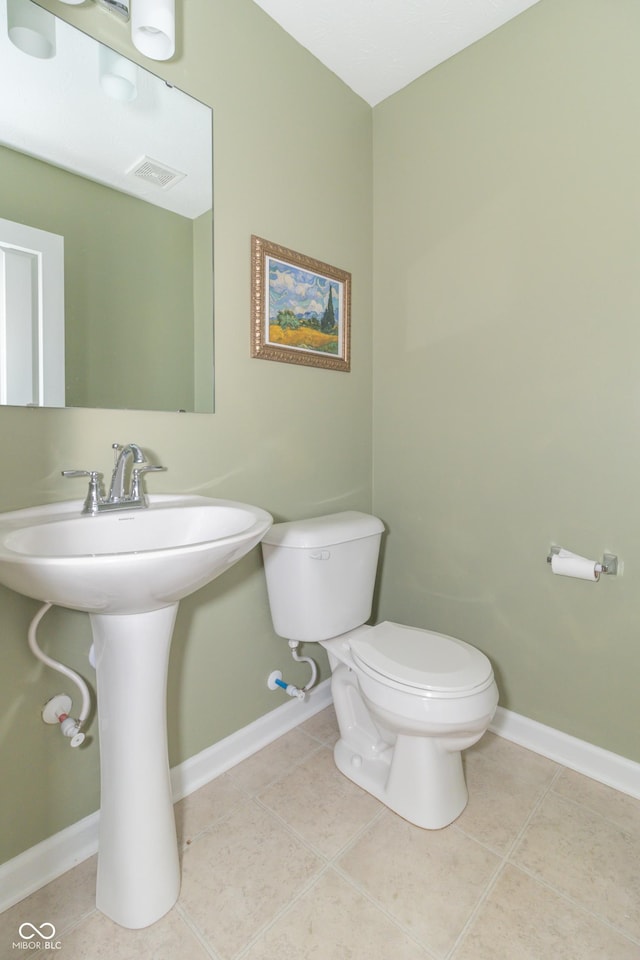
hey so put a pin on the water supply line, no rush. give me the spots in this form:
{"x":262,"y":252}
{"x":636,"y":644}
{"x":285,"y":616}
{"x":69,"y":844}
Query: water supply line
{"x":69,"y":727}
{"x":275,"y":680}
{"x":293,"y":646}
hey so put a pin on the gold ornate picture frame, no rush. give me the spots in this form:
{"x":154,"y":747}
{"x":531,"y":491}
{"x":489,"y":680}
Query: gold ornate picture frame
{"x":300,"y":308}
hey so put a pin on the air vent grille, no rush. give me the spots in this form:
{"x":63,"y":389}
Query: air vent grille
{"x":159,"y":174}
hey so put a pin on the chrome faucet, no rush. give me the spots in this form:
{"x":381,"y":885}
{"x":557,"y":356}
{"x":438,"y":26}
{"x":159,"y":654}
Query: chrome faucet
{"x":116,"y":491}
{"x":117,"y":499}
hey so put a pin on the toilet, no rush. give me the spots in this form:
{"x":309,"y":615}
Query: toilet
{"x":408,"y":701}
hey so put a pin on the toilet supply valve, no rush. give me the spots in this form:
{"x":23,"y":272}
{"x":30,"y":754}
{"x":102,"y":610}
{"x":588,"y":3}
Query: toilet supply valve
{"x":275,"y":680}
{"x":71,"y":728}
{"x":56,"y":711}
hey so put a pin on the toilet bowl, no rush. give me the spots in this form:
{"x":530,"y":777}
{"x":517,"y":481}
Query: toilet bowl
{"x":407,"y":700}
{"x":402,"y":728}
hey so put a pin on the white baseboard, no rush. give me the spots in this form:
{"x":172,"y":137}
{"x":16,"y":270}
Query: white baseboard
{"x":210,"y":763}
{"x":609,"y":768}
{"x":46,"y":861}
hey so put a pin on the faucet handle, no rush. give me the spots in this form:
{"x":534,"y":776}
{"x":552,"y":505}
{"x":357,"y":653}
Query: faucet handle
{"x":136,"y":478}
{"x":93,"y":493}
{"x":80,"y":473}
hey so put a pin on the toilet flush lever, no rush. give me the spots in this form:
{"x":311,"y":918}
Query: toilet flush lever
{"x":320,"y":555}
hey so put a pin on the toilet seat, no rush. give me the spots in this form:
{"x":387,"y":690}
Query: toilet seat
{"x":421,"y":662}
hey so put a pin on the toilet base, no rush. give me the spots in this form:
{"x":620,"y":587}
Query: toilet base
{"x":416,"y":778}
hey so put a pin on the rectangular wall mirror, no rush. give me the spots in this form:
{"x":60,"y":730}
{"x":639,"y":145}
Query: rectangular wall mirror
{"x":106,"y":227}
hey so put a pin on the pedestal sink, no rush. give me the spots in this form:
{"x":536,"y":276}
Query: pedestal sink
{"x":128,"y":570}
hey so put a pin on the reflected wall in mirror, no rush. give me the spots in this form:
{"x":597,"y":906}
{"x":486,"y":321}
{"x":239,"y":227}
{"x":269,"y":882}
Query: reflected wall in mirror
{"x":106,"y":233}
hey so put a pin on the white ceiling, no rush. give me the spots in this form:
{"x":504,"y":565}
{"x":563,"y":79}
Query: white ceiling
{"x":379,"y":46}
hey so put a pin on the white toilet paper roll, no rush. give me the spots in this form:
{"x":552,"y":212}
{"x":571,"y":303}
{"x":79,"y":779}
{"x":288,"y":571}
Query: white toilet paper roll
{"x":567,"y":564}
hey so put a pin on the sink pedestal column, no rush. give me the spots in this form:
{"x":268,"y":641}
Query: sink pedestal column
{"x":138,"y":866}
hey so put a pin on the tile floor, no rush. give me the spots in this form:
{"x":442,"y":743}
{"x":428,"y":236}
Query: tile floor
{"x":284,"y":858}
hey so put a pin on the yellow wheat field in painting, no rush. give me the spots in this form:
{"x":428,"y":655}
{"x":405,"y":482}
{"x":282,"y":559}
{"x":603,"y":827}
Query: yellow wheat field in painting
{"x":305,"y":338}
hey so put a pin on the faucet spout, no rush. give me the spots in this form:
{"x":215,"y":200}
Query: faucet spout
{"x":130,"y":452}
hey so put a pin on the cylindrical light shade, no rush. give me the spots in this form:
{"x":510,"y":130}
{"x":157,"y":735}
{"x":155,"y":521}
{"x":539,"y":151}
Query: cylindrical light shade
{"x":153,"y":28}
{"x":118,"y":76}
{"x":31,"y":29}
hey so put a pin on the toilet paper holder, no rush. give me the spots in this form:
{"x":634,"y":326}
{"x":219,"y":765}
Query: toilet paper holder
{"x":608,"y":564}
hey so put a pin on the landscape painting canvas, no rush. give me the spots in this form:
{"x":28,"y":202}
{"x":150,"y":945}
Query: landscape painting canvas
{"x":300,"y":308}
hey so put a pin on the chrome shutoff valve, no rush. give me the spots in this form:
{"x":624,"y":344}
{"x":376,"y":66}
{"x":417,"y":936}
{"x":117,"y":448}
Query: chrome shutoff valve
{"x":56,"y":710}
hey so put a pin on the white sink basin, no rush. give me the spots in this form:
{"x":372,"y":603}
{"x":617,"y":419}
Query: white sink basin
{"x":128,"y":570}
{"x":125,"y":562}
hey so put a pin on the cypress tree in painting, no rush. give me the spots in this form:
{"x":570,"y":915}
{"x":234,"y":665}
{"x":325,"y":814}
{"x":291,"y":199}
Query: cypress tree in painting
{"x":328,"y":321}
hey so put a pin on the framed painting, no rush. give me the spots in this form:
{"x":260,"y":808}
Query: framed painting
{"x":301,"y":308}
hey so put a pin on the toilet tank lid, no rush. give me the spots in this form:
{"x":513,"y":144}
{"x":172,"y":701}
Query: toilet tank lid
{"x":323,"y":531}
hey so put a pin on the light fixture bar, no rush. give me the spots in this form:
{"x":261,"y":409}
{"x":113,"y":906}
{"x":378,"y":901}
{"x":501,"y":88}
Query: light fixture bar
{"x":121,"y":7}
{"x":153,"y":24}
{"x":153,"y":28}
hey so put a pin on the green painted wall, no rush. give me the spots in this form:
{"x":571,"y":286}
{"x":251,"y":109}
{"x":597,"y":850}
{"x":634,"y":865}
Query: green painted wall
{"x":507,"y":393}
{"x":294,"y":440}
{"x":125,"y":285}
{"x":505,"y":218}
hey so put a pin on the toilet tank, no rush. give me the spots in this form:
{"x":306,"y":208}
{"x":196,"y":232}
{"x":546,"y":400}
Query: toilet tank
{"x":321,"y":574}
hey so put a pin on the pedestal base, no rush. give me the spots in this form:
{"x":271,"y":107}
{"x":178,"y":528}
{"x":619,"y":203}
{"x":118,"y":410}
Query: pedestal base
{"x":138,"y":866}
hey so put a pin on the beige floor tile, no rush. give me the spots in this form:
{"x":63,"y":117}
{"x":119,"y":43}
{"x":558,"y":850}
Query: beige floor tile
{"x":63,"y":903}
{"x":207,"y":806}
{"x":615,"y":806}
{"x":320,"y":804}
{"x":532,"y":767}
{"x":571,"y":890}
{"x":505,"y":781}
{"x":239,"y":875}
{"x":429,"y":880}
{"x":323,"y":726}
{"x":525,"y":920}
{"x":335,"y":922}
{"x":273,"y":761}
{"x":586,"y":857}
{"x":98,"y":938}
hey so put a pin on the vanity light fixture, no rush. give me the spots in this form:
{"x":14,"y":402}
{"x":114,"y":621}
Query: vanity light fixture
{"x":118,"y":76}
{"x":121,"y":7}
{"x":117,"y":6}
{"x":153,"y":28}
{"x":153,"y":24}
{"x":31,"y":29}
